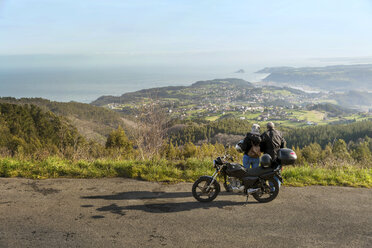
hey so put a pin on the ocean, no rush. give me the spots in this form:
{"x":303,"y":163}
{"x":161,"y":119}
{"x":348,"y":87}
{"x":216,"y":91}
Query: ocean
{"x":87,"y":84}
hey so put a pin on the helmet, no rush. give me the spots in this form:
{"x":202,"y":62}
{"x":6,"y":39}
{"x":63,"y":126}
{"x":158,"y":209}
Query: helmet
{"x":270,"y":125}
{"x":266,"y":161}
{"x":238,"y":146}
{"x":256,"y":129}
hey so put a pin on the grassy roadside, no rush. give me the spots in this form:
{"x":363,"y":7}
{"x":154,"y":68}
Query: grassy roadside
{"x":342,"y":176}
{"x":173,"y":171}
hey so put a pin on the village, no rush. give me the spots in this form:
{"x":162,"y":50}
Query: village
{"x":259,"y":104}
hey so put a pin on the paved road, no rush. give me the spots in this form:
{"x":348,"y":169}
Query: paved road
{"x":128,"y":213}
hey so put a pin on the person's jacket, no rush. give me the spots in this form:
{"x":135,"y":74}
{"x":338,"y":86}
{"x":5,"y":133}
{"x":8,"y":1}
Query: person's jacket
{"x":250,"y":138}
{"x":271,"y":141}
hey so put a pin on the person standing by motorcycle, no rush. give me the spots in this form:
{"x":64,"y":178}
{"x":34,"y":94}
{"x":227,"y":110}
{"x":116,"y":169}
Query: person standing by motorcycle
{"x":271,"y":141}
{"x":251,"y":148}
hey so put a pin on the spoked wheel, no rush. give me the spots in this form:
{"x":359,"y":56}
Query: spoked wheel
{"x":269,"y":191}
{"x":202,"y":193}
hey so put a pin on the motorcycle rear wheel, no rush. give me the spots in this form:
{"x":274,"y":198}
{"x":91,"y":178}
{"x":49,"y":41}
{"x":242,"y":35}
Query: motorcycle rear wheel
{"x":269,"y":191}
{"x":199,"y":189}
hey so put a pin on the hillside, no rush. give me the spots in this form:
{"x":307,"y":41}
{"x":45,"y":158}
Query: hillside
{"x":230,"y":131}
{"x":38,"y":144}
{"x":27,"y":129}
{"x":329,"y":134}
{"x":357,"y":99}
{"x":331,"y":109}
{"x":91,"y":121}
{"x":340,"y":77}
{"x":197,"y":92}
{"x":219,"y":99}
{"x":207,"y":99}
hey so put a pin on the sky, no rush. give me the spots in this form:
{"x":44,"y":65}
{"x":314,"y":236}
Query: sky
{"x":184,"y":32}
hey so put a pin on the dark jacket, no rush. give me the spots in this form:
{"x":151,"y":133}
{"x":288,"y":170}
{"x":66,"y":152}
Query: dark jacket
{"x":271,"y":142}
{"x":250,"y":139}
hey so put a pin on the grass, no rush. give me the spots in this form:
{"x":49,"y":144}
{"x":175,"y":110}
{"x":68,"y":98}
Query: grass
{"x":55,"y":167}
{"x":278,"y":92}
{"x":288,"y":123}
{"x":340,"y":176}
{"x":252,"y":116}
{"x":327,"y":101}
{"x":312,"y":115}
{"x":212,"y":118}
{"x":173,"y":171}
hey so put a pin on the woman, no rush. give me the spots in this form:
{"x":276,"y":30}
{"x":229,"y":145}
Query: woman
{"x":251,"y":148}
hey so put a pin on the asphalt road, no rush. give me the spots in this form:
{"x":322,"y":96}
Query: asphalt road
{"x":128,"y":213}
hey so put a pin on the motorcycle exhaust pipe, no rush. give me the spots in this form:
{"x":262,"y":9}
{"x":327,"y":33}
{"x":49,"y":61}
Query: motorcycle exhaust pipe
{"x":252,"y":191}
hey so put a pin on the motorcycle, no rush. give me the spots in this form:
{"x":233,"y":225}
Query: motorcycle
{"x":262,"y":182}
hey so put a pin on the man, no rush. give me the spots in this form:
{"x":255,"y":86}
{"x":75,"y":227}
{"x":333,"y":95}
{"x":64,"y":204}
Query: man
{"x":251,"y":148}
{"x":271,"y":142}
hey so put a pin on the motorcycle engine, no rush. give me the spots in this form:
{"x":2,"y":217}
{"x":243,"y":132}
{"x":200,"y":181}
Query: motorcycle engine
{"x":236,"y":185}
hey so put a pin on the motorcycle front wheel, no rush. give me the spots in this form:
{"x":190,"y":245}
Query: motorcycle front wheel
{"x":201,"y":192}
{"x":269,"y":191}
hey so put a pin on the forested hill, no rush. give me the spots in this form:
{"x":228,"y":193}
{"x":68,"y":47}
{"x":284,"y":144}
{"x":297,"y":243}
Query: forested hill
{"x":341,"y":77}
{"x":91,"y":121}
{"x":330,"y":108}
{"x":195,"y":92}
{"x":230,"y":131}
{"x":354,"y":98}
{"x":28,"y":128}
{"x":25,"y":129}
{"x":328,"y":134}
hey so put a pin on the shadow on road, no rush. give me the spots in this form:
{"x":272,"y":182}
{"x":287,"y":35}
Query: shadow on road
{"x":150,"y":205}
{"x":140,"y":195}
{"x":170,"y":207}
{"x":184,"y":206}
{"x":145,"y":195}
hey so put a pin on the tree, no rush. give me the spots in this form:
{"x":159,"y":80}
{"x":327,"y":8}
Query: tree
{"x":150,"y":131}
{"x":169,"y":151}
{"x":312,"y":153}
{"x":117,"y":139}
{"x":340,"y":149}
{"x":327,"y":152}
{"x":298,"y":151}
{"x":189,"y":150}
{"x":362,"y":153}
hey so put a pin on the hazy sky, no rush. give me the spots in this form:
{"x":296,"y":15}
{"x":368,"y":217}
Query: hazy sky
{"x":139,"y":32}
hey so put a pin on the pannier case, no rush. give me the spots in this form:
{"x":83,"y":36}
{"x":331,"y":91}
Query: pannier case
{"x":235,"y":170}
{"x":287,"y":156}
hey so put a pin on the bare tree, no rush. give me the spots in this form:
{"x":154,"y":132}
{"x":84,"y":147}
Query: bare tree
{"x":151,"y":129}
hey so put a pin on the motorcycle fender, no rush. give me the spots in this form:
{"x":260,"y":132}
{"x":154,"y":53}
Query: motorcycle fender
{"x":206,"y":177}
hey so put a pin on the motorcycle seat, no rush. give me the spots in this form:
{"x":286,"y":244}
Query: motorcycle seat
{"x":255,"y":172}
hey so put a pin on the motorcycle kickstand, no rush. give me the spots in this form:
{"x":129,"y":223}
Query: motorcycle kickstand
{"x":246,"y":200}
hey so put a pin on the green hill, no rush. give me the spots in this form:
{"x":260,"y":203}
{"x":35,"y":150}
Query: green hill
{"x":27,"y":129}
{"x":331,"y":109}
{"x":196,"y":92}
{"x":354,"y":98}
{"x":328,"y":134}
{"x":93,"y":122}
